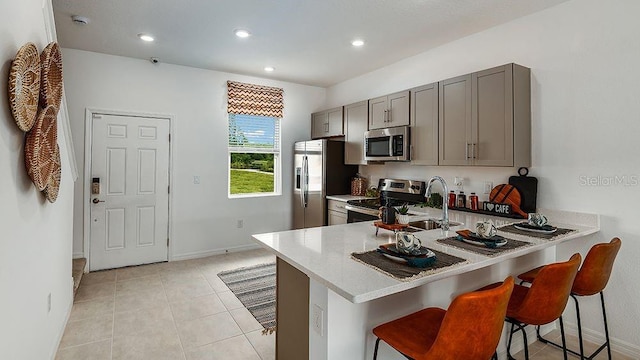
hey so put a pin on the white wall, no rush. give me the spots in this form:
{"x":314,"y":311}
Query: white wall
{"x":204,"y":219}
{"x":584,"y":58}
{"x":35,"y":245}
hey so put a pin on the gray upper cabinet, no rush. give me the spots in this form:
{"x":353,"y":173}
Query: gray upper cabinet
{"x":327,"y":123}
{"x":485,"y":118}
{"x":355,"y":125}
{"x":455,"y":120}
{"x":389,"y":111}
{"x":424,"y":125}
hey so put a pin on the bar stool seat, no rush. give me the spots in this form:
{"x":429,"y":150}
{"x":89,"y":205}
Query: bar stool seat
{"x":470,"y":329}
{"x":591,"y":279}
{"x":543,"y":302}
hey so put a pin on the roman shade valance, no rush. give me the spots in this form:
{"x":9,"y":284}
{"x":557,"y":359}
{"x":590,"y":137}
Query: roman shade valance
{"x":250,"y":99}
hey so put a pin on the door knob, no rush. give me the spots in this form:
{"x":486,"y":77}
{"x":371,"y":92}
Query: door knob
{"x":96,"y":200}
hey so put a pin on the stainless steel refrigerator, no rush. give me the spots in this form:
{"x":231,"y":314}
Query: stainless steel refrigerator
{"x":319,"y":170}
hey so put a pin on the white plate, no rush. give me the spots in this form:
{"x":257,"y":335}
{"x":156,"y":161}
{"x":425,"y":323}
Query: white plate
{"x":541,"y":231}
{"x":481,"y":243}
{"x":394,"y":258}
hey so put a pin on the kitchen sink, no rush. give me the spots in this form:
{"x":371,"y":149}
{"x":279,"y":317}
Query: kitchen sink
{"x":429,"y":224}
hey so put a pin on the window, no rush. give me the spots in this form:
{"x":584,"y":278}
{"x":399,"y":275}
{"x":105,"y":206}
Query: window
{"x":254,"y":155}
{"x":254,"y":139}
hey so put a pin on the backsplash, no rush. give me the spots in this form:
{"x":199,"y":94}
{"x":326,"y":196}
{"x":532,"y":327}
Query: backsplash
{"x":474,"y":178}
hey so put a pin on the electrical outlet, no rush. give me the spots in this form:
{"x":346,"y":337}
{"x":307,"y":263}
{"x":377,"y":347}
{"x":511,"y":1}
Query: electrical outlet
{"x":196,"y":180}
{"x":458,"y":180}
{"x":240,"y":224}
{"x":316,"y":319}
{"x":488,"y":185}
{"x":49,"y":303}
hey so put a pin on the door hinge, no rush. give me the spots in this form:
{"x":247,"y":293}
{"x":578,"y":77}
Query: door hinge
{"x":168,"y":189}
{"x":167,"y":242}
{"x":169,"y":137}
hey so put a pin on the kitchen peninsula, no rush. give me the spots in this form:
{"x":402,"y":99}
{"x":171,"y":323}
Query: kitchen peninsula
{"x":328,"y":302}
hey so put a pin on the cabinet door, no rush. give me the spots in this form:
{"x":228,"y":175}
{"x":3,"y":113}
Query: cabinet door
{"x":334,"y":118}
{"x":319,"y":125}
{"x":398,"y":109}
{"x":378,"y":113}
{"x":454,"y":120}
{"x":337,"y":218}
{"x":424,"y":125}
{"x":355,"y":125}
{"x":492,"y":113}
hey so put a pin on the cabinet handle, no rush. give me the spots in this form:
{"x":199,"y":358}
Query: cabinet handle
{"x":326,"y":127}
{"x":473,"y":151}
{"x":389,"y":115}
{"x":466,"y":151}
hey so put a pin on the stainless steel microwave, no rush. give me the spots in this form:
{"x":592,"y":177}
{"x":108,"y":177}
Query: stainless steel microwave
{"x":390,"y":144}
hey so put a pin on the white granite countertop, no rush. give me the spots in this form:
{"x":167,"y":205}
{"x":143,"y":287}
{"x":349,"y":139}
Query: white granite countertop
{"x":345,"y":198}
{"x":324,"y":253}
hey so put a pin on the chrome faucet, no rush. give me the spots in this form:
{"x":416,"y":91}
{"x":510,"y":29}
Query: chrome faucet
{"x":444,"y":225}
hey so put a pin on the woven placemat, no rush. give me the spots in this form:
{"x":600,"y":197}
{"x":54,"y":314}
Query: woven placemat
{"x":558,"y":233}
{"x":483,"y":250}
{"x":404,"y":272}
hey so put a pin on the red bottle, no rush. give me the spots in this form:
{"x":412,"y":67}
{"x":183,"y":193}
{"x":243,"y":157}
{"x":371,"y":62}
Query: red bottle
{"x":452,"y":199}
{"x":473,"y":199}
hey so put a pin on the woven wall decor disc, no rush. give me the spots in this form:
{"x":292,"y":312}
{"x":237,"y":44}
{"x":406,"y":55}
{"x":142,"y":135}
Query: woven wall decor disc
{"x":53,"y":186}
{"x":40,"y":146}
{"x":51,"y":79}
{"x":24,"y":86}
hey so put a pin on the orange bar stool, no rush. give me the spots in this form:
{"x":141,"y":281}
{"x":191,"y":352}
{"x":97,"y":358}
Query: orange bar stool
{"x":543,"y":302}
{"x":591,"y":279}
{"x":470,"y":329}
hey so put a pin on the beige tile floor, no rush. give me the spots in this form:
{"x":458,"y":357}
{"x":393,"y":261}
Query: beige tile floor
{"x":177,"y":310}
{"x":182,"y":310}
{"x":540,"y":351}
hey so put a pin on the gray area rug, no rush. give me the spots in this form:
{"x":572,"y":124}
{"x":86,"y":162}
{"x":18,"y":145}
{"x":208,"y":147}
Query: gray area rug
{"x":255,"y":287}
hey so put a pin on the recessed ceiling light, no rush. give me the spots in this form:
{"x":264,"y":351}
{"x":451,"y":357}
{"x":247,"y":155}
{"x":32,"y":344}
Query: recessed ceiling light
{"x":146,"y":37}
{"x":357,"y":43}
{"x":269,"y":68}
{"x":241,"y":33}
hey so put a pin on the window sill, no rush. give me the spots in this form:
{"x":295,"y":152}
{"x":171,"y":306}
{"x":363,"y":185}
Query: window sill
{"x":252,"y":195}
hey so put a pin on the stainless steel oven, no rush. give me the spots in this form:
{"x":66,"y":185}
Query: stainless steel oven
{"x":391,"y":144}
{"x":358,"y":214}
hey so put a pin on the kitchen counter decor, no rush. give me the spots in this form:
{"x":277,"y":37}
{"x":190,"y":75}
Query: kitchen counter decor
{"x":403,"y":272}
{"x":458,"y":242}
{"x":559,"y":232}
{"x":24,"y":86}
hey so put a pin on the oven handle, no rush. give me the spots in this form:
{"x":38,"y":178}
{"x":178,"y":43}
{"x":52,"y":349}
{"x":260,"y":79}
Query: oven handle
{"x":361,"y":210}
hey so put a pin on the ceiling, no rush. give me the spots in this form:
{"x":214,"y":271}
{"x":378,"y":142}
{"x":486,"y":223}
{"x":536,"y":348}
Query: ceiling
{"x":307,"y":41}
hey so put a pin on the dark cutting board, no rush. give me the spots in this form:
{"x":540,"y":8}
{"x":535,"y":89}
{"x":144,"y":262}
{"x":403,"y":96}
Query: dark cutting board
{"x":528,"y":188}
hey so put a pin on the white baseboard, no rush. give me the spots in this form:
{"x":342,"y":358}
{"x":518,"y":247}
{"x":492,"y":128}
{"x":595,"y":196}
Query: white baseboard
{"x":56,"y":345}
{"x":201,"y":254}
{"x":79,"y":255}
{"x":592,"y":336}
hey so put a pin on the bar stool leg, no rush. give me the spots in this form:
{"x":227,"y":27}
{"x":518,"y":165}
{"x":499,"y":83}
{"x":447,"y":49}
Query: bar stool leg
{"x":575,"y":299}
{"x":509,"y":344}
{"x":606,"y":328}
{"x":375,"y":350}
{"x":564,"y":342}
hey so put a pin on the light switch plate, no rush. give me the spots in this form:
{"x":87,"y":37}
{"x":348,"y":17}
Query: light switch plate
{"x":316,"y":319}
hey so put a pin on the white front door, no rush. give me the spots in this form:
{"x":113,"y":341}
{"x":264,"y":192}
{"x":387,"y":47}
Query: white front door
{"x":130,"y":207}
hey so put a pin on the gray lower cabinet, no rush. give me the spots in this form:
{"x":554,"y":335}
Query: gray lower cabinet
{"x":485,"y":118}
{"x":389,"y":111}
{"x":355,"y":125}
{"x":327,"y":123}
{"x":336,"y":213}
{"x":424,"y":125}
